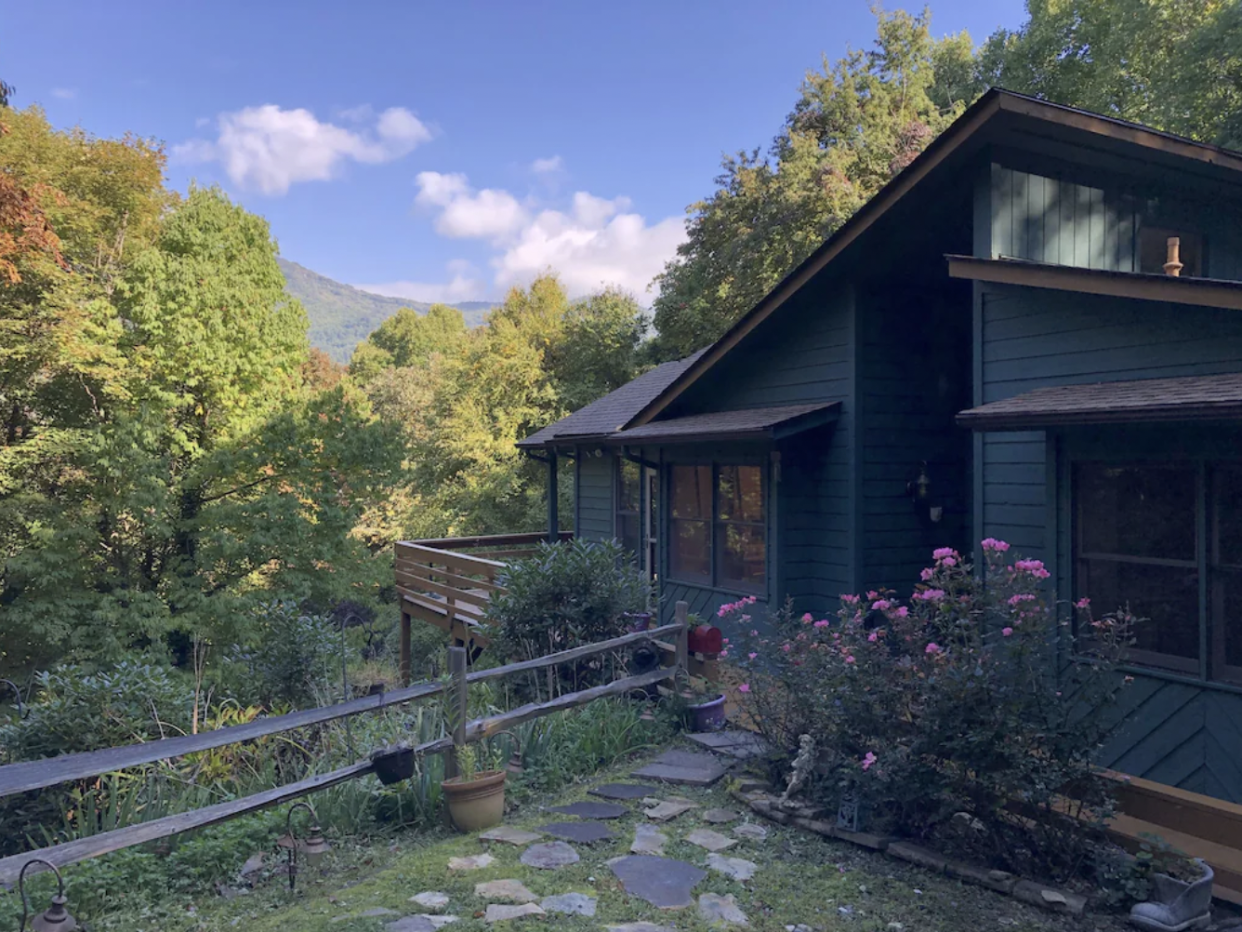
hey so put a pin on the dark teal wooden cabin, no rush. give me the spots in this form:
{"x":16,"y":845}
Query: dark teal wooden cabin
{"x":991,"y":347}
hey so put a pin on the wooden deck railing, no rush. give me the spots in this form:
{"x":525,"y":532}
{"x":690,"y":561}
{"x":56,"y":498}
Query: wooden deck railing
{"x":17,"y":778}
{"x":448,"y":582}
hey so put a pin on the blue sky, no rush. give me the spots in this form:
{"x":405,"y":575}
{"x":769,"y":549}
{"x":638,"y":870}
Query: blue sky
{"x":446,"y":150}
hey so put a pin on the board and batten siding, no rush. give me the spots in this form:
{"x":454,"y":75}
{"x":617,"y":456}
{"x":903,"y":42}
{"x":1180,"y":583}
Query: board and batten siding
{"x":803,"y":354}
{"x":1175,"y":732}
{"x":593,"y":501}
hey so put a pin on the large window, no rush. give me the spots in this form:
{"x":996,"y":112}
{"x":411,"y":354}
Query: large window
{"x":718,"y":526}
{"x":1137,"y":543}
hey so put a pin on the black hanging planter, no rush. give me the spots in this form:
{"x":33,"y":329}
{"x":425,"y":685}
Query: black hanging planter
{"x":393,"y":763}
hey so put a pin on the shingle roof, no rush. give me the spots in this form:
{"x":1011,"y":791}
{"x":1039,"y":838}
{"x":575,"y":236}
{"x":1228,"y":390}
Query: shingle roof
{"x":747,"y":423}
{"x":1201,"y":397}
{"x":606,"y":415}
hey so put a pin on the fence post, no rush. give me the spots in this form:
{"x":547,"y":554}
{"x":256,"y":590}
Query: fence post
{"x":680,"y":613}
{"x":403,"y":663}
{"x":458,"y":698}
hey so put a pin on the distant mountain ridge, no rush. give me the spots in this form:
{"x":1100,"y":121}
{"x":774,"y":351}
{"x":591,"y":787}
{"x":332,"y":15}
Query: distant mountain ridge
{"x":342,"y":316}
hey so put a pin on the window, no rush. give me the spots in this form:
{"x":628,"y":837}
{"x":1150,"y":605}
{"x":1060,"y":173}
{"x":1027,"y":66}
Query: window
{"x":718,"y":526}
{"x":1154,"y":250}
{"x":1137,"y":543}
{"x":629,"y":523}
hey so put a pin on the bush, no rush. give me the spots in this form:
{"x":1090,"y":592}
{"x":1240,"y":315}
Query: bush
{"x":290,"y":656}
{"x":963,"y":700}
{"x":567,"y":594}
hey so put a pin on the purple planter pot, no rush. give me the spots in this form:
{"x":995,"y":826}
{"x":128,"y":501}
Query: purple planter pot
{"x":638,"y":621}
{"x":708,"y":716}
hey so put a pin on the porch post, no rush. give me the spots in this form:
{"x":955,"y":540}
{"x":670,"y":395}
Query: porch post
{"x":554,"y":524}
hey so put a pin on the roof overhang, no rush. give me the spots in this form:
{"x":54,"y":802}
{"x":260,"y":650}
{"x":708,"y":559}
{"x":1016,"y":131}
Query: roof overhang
{"x":1201,"y":292}
{"x":768,"y":424}
{"x":1194,"y":398}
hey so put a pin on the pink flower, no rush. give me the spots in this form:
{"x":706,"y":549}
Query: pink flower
{"x":933,"y":648}
{"x":751,"y":656}
{"x":1034,"y":567}
{"x":1082,"y":604}
{"x":944,"y":553}
{"x":1006,"y":631}
{"x":723,"y":654}
{"x":807,"y":619}
{"x":724,"y":640}
{"x":930,"y":595}
{"x":868,"y":761}
{"x":754,"y":632}
{"x":1014,"y":600}
{"x":873,"y":636}
{"x":880,"y":605}
{"x":786,"y":647}
{"x":992,"y":545}
{"x":745,"y":618}
{"x":822,"y":623}
{"x":849,"y":599}
{"x":902,"y":611}
{"x":849,"y":658}
{"x":949,"y":561}
{"x":744,"y":688}
{"x":926,"y":573}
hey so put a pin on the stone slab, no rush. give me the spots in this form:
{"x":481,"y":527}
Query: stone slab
{"x":692,"y":768}
{"x":648,"y":840}
{"x":712,"y":841}
{"x":639,"y":927}
{"x":590,"y":810}
{"x":737,"y":868}
{"x":574,"y":904}
{"x":667,"y":809}
{"x":550,"y":856}
{"x":431,"y":899}
{"x":721,"y":910}
{"x":751,"y":831}
{"x":509,"y":835}
{"x":719,"y":816}
{"x":621,"y":791}
{"x":473,"y":863}
{"x":585,"y":833}
{"x":662,"y":882}
{"x":742,"y":745}
{"x":373,"y":913}
{"x":510,"y":891}
{"x":421,"y":923}
{"x":499,"y":913}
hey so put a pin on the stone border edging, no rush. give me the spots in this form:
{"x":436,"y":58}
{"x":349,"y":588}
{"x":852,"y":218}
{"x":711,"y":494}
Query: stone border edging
{"x":763,"y":803}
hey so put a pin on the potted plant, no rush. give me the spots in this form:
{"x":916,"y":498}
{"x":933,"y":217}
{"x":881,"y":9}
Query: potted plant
{"x":1176,"y":903}
{"x":476,"y":798}
{"x":705,"y":705}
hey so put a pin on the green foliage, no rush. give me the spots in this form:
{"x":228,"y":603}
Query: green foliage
{"x":289,"y":656}
{"x":566,"y":595}
{"x":408,"y":338}
{"x":1176,"y":66}
{"x":856,"y":123}
{"x":959,"y":702}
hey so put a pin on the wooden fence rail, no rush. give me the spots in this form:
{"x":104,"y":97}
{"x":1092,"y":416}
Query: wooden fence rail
{"x":43,"y":773}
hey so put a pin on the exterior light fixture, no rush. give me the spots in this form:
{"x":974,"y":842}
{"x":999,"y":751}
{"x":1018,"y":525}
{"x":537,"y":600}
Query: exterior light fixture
{"x":919,"y":489}
{"x":56,"y":918}
{"x":514,"y":766}
{"x":314,"y":848}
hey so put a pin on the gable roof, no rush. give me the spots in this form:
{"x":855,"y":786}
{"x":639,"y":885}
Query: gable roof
{"x":608,"y":414}
{"x":963,"y":136}
{"x":769,"y":423}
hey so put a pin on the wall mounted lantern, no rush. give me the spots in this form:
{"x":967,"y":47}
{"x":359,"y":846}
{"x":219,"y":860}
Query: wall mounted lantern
{"x":920,"y":491}
{"x":56,"y":918}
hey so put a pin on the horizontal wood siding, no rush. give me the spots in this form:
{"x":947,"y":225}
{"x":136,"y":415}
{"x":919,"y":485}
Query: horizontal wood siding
{"x":1181,"y":734}
{"x":594,"y":507}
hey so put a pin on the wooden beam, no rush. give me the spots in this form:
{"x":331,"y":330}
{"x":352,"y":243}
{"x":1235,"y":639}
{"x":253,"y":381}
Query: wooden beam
{"x":487,"y":540}
{"x":422,"y":570}
{"x":458,"y":705}
{"x":1199,"y":292}
{"x":459,"y":562}
{"x":403,"y":662}
{"x":574,"y":653}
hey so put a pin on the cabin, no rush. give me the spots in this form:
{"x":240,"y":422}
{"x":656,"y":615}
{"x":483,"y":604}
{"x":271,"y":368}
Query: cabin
{"x":1033,"y":333}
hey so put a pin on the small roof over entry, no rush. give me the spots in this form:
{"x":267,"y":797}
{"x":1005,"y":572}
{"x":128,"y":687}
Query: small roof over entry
{"x":770,"y":423}
{"x":1196,"y":398}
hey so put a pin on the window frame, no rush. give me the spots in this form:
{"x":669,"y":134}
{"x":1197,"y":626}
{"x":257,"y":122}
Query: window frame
{"x":618,"y":512}
{"x":714,"y":523}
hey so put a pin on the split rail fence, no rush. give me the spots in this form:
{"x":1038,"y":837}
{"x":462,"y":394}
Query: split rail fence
{"x":34,"y":775}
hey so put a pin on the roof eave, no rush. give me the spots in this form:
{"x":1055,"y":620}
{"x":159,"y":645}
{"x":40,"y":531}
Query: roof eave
{"x":1001,"y":421}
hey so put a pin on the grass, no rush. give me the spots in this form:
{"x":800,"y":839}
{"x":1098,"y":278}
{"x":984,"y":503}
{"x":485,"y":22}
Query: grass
{"x":802,"y":879}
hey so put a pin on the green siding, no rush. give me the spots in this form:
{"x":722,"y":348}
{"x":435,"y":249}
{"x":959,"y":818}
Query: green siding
{"x":593,"y":504}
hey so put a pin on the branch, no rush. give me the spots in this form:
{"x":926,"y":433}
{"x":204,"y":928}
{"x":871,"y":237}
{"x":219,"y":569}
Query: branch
{"x":208,"y":499}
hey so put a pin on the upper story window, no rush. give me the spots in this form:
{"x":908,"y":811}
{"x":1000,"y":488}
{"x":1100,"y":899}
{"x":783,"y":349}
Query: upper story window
{"x":1153,"y":248}
{"x":718,"y":526}
{"x":1137,"y":544}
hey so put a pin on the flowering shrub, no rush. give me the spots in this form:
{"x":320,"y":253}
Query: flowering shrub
{"x":962,"y":699}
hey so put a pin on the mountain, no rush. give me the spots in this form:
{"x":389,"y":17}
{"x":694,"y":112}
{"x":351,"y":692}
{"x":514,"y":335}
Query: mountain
{"x":342,"y":316}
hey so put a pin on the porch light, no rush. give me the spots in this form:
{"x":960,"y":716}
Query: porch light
{"x":919,"y":490}
{"x":315,"y":846}
{"x":56,"y":918}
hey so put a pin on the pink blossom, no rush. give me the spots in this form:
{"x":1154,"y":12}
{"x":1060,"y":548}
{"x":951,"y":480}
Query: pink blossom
{"x":872,"y":594}
{"x":1034,"y":567}
{"x":849,"y":599}
{"x":930,"y":595}
{"x":754,"y":632}
{"x":933,"y":648}
{"x":1006,"y":631}
{"x":745,"y":618}
{"x":944,"y":553}
{"x":807,"y":619}
{"x":1015,"y":600}
{"x":926,"y":573}
{"x":880,"y":605}
{"x":1082,"y":604}
{"x":873,"y":636}
{"x":723,"y":654}
{"x":902,"y":611}
{"x":744,"y":688}
{"x":869,"y":760}
{"x":751,"y":656}
{"x":992,"y":545}
{"x":849,"y":658}
{"x":786,"y":647}
{"x":822,"y":623}
{"x":949,"y":561}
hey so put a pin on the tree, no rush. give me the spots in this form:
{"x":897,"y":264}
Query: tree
{"x":599,"y":347}
{"x":1176,"y":66}
{"x":856,"y":123}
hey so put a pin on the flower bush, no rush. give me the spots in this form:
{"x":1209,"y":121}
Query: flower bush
{"x":966,"y":698}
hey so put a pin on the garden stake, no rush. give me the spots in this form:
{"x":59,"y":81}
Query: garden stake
{"x":316,"y":846}
{"x":56,"y":918}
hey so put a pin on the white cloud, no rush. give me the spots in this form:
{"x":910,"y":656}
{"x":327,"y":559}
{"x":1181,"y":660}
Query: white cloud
{"x":465,"y":213}
{"x":268,"y":149}
{"x":594,"y":242}
{"x":547,"y":166}
{"x":64,"y":93}
{"x":463,"y":285}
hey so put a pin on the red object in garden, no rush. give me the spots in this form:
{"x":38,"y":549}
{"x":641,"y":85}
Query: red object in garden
{"x":706,"y":639}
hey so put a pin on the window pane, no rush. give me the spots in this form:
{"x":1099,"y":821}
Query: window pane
{"x":1228,"y":615}
{"x":1229,"y":516}
{"x":1137,"y":511}
{"x":740,"y":556}
{"x":689,"y":553}
{"x":740,"y":493}
{"x":627,"y":486}
{"x":629,"y":532}
{"x":691,"y":491}
{"x":1167,"y":597}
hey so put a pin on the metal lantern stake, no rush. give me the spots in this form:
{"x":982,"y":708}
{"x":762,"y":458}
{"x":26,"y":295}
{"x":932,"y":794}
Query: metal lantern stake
{"x":315,"y":847}
{"x":56,"y":918}
{"x":22,"y":711}
{"x":514,"y":766}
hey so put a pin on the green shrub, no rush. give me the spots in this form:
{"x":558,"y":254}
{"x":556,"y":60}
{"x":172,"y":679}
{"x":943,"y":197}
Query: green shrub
{"x":963,"y":700}
{"x":289,"y":657}
{"x":565,"y":595}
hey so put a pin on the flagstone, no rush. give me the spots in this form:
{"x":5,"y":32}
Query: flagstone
{"x":721,"y":909}
{"x":620,"y":791}
{"x":751,"y":830}
{"x":639,"y":927}
{"x":591,"y":810}
{"x":499,"y":913}
{"x":432,"y":899}
{"x":719,"y":816}
{"x":472,"y":863}
{"x":421,"y":923}
{"x":512,"y":891}
{"x":668,"y":809}
{"x":742,"y":745}
{"x":648,"y":840}
{"x":737,"y":868}
{"x":510,"y":835}
{"x":712,"y":841}
{"x":677,"y":766}
{"x":550,"y":856}
{"x":662,"y":882}
{"x":575,"y":904}
{"x":584,"y":832}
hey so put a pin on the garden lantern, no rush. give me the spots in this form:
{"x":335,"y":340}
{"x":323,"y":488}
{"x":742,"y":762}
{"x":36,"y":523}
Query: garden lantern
{"x":514,"y":766}
{"x":315,"y":846}
{"x":56,"y":918}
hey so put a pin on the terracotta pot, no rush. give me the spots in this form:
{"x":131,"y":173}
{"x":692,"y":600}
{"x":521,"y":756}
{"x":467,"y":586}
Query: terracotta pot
{"x":477,"y":803}
{"x":709,"y":715}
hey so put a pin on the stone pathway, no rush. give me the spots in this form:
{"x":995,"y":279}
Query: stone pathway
{"x":585,"y":833}
{"x":550,"y":856}
{"x":592,"y":810}
{"x":693,"y":768}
